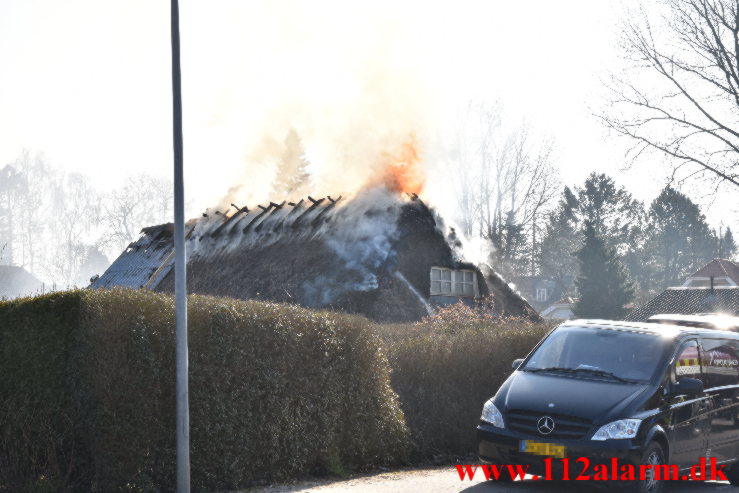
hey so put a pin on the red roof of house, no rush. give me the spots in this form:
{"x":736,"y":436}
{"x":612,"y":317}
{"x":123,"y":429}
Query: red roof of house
{"x":719,"y":268}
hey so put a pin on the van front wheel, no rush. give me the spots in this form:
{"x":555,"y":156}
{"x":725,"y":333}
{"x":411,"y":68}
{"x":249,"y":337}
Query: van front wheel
{"x":653,"y":456}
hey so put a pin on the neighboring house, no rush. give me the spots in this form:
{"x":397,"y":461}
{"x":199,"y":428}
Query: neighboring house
{"x":688,"y":301}
{"x":541,"y":292}
{"x":16,"y":282}
{"x":714,"y":288}
{"x":389,"y":259}
{"x":560,"y":310}
{"x":724,"y":273}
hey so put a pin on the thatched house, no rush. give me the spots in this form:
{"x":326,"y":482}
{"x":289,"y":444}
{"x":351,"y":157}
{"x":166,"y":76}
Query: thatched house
{"x":389,"y":259}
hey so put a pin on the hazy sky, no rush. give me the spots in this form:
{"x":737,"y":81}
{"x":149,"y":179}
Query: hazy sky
{"x":87,"y":82}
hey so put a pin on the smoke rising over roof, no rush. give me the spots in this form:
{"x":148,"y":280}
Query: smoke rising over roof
{"x":371,"y":254}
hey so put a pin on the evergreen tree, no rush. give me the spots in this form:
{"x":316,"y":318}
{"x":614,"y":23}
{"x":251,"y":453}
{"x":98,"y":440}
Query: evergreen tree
{"x":602,"y":283}
{"x":679,"y":241}
{"x":291,"y":170}
{"x":510,"y":246}
{"x":613,"y":213}
{"x":728,"y":245}
{"x":560,"y":241}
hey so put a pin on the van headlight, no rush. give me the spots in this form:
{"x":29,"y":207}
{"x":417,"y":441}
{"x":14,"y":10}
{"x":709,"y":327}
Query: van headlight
{"x":491,"y":414}
{"x":623,"y":428}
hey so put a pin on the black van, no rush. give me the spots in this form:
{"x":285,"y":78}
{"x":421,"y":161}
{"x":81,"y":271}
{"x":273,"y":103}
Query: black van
{"x":641,"y":393}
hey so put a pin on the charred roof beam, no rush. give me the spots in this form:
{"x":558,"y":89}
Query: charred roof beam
{"x":325,"y":210}
{"x":295,"y":207}
{"x":275,"y":208}
{"x":257,"y":217}
{"x":228,"y":221}
{"x":315,"y":204}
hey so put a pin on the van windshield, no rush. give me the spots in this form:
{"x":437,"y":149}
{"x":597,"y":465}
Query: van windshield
{"x":610,"y":354}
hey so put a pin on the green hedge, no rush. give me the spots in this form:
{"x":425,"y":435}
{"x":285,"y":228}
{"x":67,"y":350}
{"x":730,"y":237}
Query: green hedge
{"x":87,"y":393}
{"x":39,"y":420}
{"x":87,"y":399}
{"x":447,"y":366}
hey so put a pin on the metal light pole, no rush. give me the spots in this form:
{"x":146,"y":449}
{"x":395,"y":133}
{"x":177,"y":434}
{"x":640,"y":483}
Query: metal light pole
{"x":183,"y":406}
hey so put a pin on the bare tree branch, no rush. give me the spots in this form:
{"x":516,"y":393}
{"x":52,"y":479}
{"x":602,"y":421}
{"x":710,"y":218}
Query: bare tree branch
{"x":693,"y":115}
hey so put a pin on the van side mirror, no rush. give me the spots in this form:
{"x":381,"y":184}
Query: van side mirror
{"x":516,"y":363}
{"x":687,"y":386}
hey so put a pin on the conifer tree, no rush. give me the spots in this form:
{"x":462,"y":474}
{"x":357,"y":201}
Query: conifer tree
{"x":292,"y":171}
{"x":602,"y":284}
{"x":728,"y":245}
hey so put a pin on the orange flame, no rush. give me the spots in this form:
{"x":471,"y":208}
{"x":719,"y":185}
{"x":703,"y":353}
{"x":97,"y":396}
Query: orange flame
{"x":402,"y":171}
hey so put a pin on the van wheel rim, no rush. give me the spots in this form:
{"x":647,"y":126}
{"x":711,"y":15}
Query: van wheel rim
{"x":653,"y":460}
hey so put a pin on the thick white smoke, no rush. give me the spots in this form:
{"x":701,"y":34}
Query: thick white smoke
{"x":363,"y":92}
{"x":356,"y":90}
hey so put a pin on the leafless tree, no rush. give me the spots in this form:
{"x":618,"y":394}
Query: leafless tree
{"x":61,"y":228}
{"x":682,"y":98}
{"x":74,"y":222}
{"x":32,"y":211}
{"x":142,"y":200}
{"x":463,"y":171}
{"x":504,"y":184}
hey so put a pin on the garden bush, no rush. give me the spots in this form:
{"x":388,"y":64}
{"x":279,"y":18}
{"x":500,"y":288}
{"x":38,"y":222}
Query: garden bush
{"x":87,"y":398}
{"x":445,"y":368}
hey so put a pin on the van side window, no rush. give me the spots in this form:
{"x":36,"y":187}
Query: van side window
{"x":687,"y":363}
{"x":720,"y":362}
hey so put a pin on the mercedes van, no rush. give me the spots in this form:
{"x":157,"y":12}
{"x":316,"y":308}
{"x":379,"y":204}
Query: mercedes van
{"x":618,"y":392}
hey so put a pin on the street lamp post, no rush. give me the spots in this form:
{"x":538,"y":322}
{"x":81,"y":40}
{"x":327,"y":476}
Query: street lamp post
{"x":183,"y":407}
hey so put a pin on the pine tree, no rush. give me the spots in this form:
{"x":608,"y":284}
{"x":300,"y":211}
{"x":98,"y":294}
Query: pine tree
{"x":602,"y":284}
{"x":291,"y":170}
{"x":613,"y":213}
{"x":680,"y":241}
{"x":728,"y":245}
{"x":559,"y":243}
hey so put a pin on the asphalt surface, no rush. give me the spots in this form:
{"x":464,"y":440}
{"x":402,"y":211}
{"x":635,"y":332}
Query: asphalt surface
{"x":446,"y":480}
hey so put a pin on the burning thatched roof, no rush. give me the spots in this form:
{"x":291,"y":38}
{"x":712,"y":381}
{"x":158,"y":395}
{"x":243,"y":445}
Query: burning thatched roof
{"x":143,"y":262}
{"x":370,"y":255}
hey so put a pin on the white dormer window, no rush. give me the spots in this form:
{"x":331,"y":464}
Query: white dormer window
{"x":448,"y":282}
{"x":705,"y":282}
{"x":542,"y":294}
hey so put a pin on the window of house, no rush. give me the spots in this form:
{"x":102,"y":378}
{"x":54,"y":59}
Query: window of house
{"x":452,"y":282}
{"x":542,"y":294}
{"x":700,"y":282}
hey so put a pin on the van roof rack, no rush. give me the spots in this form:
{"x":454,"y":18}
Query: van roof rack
{"x":718,"y":321}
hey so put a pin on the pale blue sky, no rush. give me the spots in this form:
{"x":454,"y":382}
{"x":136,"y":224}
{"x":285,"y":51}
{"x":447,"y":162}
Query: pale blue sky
{"x":87,"y":82}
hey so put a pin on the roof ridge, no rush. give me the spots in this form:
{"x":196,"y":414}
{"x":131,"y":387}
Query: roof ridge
{"x":723,"y":267}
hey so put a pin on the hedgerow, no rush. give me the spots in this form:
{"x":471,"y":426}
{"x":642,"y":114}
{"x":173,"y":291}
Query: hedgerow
{"x":445,"y":368}
{"x":87,"y":398}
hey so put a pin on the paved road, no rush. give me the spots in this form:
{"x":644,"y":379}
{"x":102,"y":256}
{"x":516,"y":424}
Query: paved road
{"x":446,"y":480}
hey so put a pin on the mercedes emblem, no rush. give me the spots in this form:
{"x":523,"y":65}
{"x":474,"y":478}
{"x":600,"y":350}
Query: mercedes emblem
{"x":545,"y":425}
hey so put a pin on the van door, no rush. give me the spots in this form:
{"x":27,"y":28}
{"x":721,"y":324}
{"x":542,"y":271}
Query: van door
{"x":689,"y":419}
{"x":720,"y":364}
